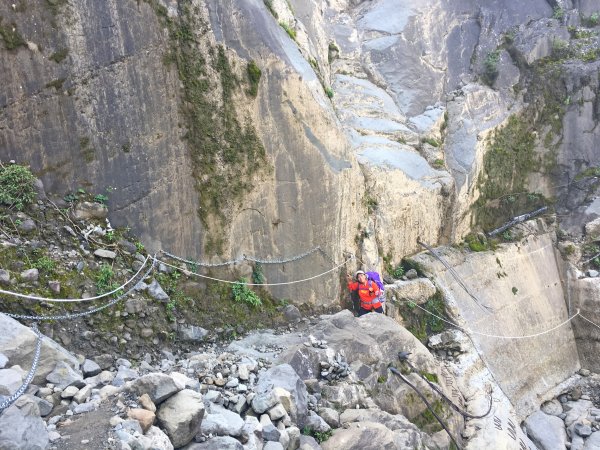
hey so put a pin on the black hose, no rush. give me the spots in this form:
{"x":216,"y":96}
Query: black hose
{"x":448,"y":400}
{"x":396,"y":372}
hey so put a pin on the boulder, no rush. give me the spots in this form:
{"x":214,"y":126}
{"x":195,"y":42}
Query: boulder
{"x":191,"y":333}
{"x":180,"y":416}
{"x":143,"y":416}
{"x":156,"y":292}
{"x":90,"y":368}
{"x":418,"y":290}
{"x":293,"y":396}
{"x":158,"y":439}
{"x":221,"y":422}
{"x":64,"y":375}
{"x":547,"y":432}
{"x":217,"y":443}
{"x":363,"y":435}
{"x":18,"y":344}
{"x":89,"y":210}
{"x":10,"y":381}
{"x":21,"y":426}
{"x":157,"y":385}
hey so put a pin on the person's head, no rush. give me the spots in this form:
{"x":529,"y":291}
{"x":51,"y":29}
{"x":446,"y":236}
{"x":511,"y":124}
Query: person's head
{"x":361,"y":276}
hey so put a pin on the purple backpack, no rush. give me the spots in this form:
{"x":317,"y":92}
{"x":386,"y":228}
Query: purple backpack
{"x":376,"y":278}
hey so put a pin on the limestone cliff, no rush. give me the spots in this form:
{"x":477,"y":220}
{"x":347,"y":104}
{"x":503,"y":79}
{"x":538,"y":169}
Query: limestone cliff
{"x":222,"y":129}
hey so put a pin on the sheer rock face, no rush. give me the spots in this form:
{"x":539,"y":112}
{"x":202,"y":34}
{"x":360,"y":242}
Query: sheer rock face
{"x":373,"y":120}
{"x":520,"y":283}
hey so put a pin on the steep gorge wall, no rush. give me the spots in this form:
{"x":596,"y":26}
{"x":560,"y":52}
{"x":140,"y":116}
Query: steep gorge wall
{"x":521,"y":284}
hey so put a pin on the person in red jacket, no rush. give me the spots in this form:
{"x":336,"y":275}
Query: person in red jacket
{"x":368,"y":293}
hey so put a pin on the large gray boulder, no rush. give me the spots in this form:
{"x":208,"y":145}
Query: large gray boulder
{"x":22,"y":428}
{"x":157,"y":385}
{"x":64,"y":375}
{"x":221,"y":422}
{"x":293,"y":394}
{"x":180,"y":416}
{"x":547,"y":432}
{"x":359,"y":436}
{"x":18,"y":342}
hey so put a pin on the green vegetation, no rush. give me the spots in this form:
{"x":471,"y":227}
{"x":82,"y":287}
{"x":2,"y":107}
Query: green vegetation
{"x":101,"y":198}
{"x":55,"y":6}
{"x":423,"y":324}
{"x":560,"y":49}
{"x":432,"y":377}
{"x":226,"y":154}
{"x":104,"y":279}
{"x":591,"y":21}
{"x":431,"y":141}
{"x":46,"y":264}
{"x":59,"y":55}
{"x":289,"y":30}
{"x":320,"y":436}
{"x":509,"y":160}
{"x":514,"y":290}
{"x":16,"y":186}
{"x":426,"y":421}
{"x":88,"y":152}
{"x":438,"y":164}
{"x":11,"y":37}
{"x":370,"y":202}
{"x":490,"y":67}
{"x":258,"y":277}
{"x":333,"y":52}
{"x":243,"y":294}
{"x":476,"y":244}
{"x":254,"y":74}
{"x":558,"y":13}
{"x":269,"y":5}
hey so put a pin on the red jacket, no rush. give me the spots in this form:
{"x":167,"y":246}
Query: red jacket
{"x":368,"y":299}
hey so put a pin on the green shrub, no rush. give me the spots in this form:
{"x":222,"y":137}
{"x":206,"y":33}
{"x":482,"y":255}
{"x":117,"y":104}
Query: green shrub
{"x":289,"y":30}
{"x":45,"y":264}
{"x":254,"y":74}
{"x":558,"y":13}
{"x":591,"y":21}
{"x":243,"y":294}
{"x":320,"y":436}
{"x":11,"y":37}
{"x":490,"y":67}
{"x":16,"y":186}
{"x":397,"y":272}
{"x":329,"y":92}
{"x":475,"y":244}
{"x":59,"y":55}
{"x":258,"y":277}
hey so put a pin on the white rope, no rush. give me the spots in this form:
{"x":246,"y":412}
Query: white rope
{"x":529,"y":336}
{"x":73,"y":300}
{"x":187,"y":272}
{"x":588,"y":320}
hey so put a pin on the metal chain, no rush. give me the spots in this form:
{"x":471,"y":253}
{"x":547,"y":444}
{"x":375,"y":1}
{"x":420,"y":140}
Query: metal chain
{"x":86,"y":313}
{"x":36,"y":359}
{"x":246,"y":258}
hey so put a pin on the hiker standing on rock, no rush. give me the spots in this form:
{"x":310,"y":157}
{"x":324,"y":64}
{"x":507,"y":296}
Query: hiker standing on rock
{"x":368,"y":293}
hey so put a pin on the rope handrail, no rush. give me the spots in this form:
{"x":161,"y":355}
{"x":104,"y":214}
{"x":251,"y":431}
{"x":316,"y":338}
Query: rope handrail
{"x":74,"y":300}
{"x":81,"y":314}
{"x":36,"y":358}
{"x":466,"y":330}
{"x":588,"y":320}
{"x":259,"y":284}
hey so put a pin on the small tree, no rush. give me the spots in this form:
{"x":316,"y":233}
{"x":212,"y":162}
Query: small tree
{"x":16,"y":186}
